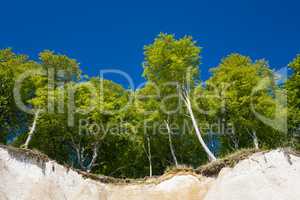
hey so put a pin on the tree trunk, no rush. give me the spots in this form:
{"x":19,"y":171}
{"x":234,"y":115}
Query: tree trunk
{"x":94,"y":158}
{"x":171,"y":144}
{"x":188,"y":104}
{"x":148,"y":153}
{"x":82,"y":157}
{"x":32,"y":129}
{"x":255,"y":140}
{"x":234,"y":139}
{"x":79,"y":153}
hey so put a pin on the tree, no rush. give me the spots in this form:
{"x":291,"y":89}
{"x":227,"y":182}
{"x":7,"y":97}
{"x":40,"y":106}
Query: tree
{"x":62,"y":67}
{"x":170,"y":65}
{"x":11,"y":67}
{"x":233,"y":99}
{"x":293,"y":96}
{"x":59,"y":68}
{"x":169,"y":59}
{"x":6,"y":100}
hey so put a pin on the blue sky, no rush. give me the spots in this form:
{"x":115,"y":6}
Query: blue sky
{"x":111,"y":34}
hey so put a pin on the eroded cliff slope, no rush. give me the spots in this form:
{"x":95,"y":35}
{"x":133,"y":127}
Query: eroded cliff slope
{"x":27,"y":175}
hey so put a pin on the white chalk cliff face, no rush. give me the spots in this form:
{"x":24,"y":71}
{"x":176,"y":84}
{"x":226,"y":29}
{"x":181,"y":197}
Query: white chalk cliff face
{"x":26,"y":176}
{"x":271,"y":176}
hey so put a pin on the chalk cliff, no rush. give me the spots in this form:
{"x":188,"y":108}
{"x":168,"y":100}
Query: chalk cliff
{"x":28,"y":175}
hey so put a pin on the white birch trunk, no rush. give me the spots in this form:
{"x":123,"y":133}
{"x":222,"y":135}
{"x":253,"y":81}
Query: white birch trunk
{"x":255,"y":140}
{"x":94,"y":158}
{"x":32,"y":129}
{"x":234,"y":139}
{"x":171,"y":144}
{"x":79,"y":153}
{"x":188,"y":104}
{"x":148,"y":153}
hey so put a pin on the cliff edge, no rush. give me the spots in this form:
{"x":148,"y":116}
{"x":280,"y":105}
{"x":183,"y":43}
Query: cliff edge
{"x":29,"y":175}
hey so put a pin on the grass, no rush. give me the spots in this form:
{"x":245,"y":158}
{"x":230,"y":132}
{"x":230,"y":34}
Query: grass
{"x":212,"y":169}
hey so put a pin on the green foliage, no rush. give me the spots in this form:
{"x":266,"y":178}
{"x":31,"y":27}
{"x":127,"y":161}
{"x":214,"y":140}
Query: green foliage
{"x":116,"y":123}
{"x":232,"y":99}
{"x":170,"y":64}
{"x":6,"y":100}
{"x":11,"y":66}
{"x":168,"y":59}
{"x":293,"y":90}
{"x":65,"y":68}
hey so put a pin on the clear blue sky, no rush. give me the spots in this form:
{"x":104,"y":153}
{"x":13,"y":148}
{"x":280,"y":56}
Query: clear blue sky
{"x":111,"y":34}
